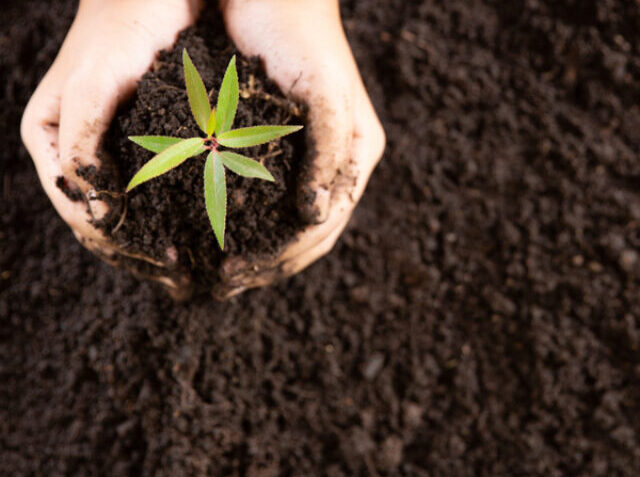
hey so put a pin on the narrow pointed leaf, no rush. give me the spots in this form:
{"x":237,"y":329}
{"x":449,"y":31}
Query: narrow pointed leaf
{"x":171,"y":157}
{"x":197,"y":93}
{"x":228,"y":98}
{"x":245,"y":137}
{"x":245,"y":166}
{"x":155,"y":144}
{"x":215,"y":195}
{"x":211,"y":123}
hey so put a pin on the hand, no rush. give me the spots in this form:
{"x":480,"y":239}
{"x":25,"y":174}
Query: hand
{"x":110,"y":45}
{"x":305,"y":51}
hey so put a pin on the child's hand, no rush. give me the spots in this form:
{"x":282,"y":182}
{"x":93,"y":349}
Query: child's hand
{"x":306,"y":53}
{"x":110,"y":45}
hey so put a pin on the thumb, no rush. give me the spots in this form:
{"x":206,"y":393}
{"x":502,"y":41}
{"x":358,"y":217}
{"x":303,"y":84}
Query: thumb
{"x":330,"y":136}
{"x":88,"y":105}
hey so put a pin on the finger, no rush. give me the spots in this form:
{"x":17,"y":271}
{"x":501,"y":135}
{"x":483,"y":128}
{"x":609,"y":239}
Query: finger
{"x":100,"y":248}
{"x":267,"y":272}
{"x":368,"y":142}
{"x":238,"y":274}
{"x":177,"y":282}
{"x":368,"y":145}
{"x":328,"y":91}
{"x":330,"y":126}
{"x":40,"y":133}
{"x":302,"y":261}
{"x":229,"y":290}
{"x":310,"y":237}
{"x":332,"y":119}
{"x":88,"y":104}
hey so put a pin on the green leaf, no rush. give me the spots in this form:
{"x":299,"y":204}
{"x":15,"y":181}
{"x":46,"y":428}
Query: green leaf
{"x":155,"y":143}
{"x":245,"y":137}
{"x":245,"y":166}
{"x":228,"y":98}
{"x":197,"y":93}
{"x":171,"y":157}
{"x":215,"y":195}
{"x":211,"y":123}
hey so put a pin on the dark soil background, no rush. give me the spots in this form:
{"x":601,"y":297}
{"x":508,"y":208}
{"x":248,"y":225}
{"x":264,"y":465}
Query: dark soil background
{"x":480,"y":316}
{"x":169,"y":213}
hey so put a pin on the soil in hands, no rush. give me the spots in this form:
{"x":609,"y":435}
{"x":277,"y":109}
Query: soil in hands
{"x":165,"y":218}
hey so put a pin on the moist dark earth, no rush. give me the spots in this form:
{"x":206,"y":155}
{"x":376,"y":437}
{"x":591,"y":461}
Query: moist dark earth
{"x":479,"y":317}
{"x":168,"y":213}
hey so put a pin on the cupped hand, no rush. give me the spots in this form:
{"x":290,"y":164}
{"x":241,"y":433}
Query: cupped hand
{"x":304,"y":50}
{"x":110,"y":45}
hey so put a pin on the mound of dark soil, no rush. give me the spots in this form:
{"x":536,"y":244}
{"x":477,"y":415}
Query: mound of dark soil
{"x":168,"y":213}
{"x":480,"y":316}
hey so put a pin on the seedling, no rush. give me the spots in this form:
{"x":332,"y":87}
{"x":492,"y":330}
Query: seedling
{"x":216,"y":125}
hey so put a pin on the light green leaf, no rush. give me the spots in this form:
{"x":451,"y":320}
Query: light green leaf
{"x":245,"y":166}
{"x":228,"y":98}
{"x":155,"y":143}
{"x":197,"y":93}
{"x":252,"y":136}
{"x":215,"y":195}
{"x":211,"y":123}
{"x":171,"y":157}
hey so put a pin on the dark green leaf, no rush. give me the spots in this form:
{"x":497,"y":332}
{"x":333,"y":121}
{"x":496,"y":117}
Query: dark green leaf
{"x":171,"y":157}
{"x":252,"y":136}
{"x":197,"y":93}
{"x":245,"y":166}
{"x":155,"y":143}
{"x":215,"y":195}
{"x":228,"y":98}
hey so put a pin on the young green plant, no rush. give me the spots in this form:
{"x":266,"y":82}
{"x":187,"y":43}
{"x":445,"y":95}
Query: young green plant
{"x":216,"y":124}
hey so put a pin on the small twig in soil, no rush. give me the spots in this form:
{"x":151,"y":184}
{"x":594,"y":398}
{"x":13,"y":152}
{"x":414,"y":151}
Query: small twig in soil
{"x":250,"y":90}
{"x":191,"y":257}
{"x":93,"y":194}
{"x":122,"y":217}
{"x":270,"y":154}
{"x":168,"y":86}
